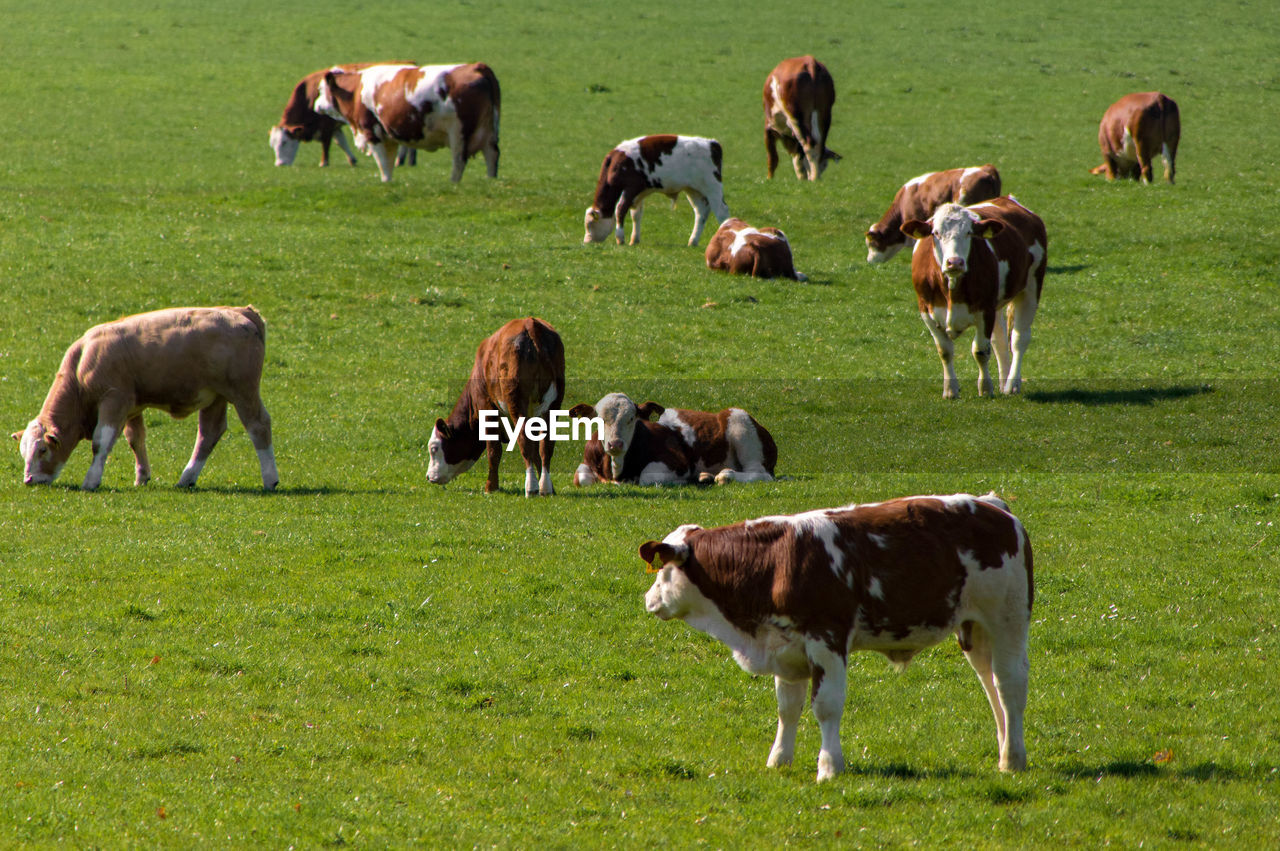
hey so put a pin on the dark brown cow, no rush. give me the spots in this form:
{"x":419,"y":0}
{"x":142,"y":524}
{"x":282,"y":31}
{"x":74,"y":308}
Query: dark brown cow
{"x":969,"y":264}
{"x":1133,"y":130}
{"x":798,"y":96}
{"x":741,"y":249}
{"x":180,"y":360}
{"x":519,"y":372}
{"x":424,"y":107}
{"x":920,"y":197}
{"x":793,"y":595}
{"x":682,"y":446}
{"x":661,"y":163}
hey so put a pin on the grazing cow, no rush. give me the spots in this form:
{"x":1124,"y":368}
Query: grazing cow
{"x":424,"y":107}
{"x":920,"y":197}
{"x":681,"y":447}
{"x":665,"y":164}
{"x":1133,"y":130}
{"x":798,"y":95}
{"x":793,"y":595}
{"x":740,"y":249}
{"x":969,"y":264}
{"x":180,"y":360}
{"x":519,"y":370}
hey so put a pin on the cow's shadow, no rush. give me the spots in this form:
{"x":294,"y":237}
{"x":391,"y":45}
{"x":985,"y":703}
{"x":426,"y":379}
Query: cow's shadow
{"x":1142,"y":396}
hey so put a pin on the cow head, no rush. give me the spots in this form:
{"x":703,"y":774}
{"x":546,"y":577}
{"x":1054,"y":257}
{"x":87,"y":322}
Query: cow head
{"x":452,"y":453}
{"x":285,"y":144}
{"x":953,"y":228}
{"x":619,"y":415}
{"x":881,"y":247}
{"x":44,"y":452}
{"x":672,"y":595}
{"x":599,"y":226}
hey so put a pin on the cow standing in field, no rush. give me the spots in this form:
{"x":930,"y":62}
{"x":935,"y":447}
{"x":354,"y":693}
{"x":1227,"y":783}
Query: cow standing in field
{"x":426,"y":107}
{"x":180,"y":360}
{"x":741,"y":249}
{"x":519,"y":370}
{"x":1133,"y":130}
{"x":681,"y":447}
{"x":665,"y":164}
{"x":920,"y":197}
{"x":793,"y":595}
{"x":968,"y":266}
{"x":798,"y":96}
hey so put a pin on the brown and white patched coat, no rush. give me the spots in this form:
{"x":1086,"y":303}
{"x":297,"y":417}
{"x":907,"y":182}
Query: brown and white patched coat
{"x":664,"y":164}
{"x":740,"y":249}
{"x":793,"y":595}
{"x":1133,"y":130}
{"x":921,"y":196}
{"x":798,"y":96}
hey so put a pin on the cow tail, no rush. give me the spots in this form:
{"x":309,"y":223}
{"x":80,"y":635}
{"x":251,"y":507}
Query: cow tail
{"x":495,"y":95}
{"x":251,"y":313}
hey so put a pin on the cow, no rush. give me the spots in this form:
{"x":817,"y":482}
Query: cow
{"x":921,"y":196}
{"x":424,"y":107}
{"x":798,"y":95}
{"x":793,"y":595}
{"x":984,"y":266}
{"x":741,"y":249}
{"x":519,"y":371}
{"x":665,"y":164}
{"x":301,"y":123}
{"x":1133,"y":130}
{"x":681,"y":447}
{"x":180,"y":360}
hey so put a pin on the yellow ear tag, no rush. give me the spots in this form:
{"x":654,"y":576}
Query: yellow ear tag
{"x":655,"y":566}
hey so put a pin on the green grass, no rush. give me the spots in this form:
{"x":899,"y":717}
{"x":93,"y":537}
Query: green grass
{"x":363,"y":658}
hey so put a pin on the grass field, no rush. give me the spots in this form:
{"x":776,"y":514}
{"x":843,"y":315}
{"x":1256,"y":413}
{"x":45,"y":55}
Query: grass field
{"x":362,"y":658}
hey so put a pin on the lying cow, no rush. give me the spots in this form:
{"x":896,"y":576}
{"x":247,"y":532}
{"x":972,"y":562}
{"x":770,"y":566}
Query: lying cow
{"x":1133,"y":130}
{"x":798,"y":95}
{"x":180,"y":360}
{"x":920,"y":197}
{"x":424,"y":107}
{"x":665,"y":164}
{"x":741,"y":249}
{"x":792,"y":596}
{"x":519,"y":370}
{"x":972,"y":266}
{"x":681,"y":447}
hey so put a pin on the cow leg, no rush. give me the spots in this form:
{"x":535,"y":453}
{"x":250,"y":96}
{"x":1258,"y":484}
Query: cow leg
{"x":494,"y":451}
{"x":112,"y":414}
{"x":771,"y":150}
{"x":1009,"y":667}
{"x":829,"y":680}
{"x":546,"y":448}
{"x":1169,"y":153}
{"x":325,"y":139}
{"x":257,"y":423}
{"x":457,"y":147}
{"x":532,"y":465}
{"x":212,"y":425}
{"x":982,"y":354}
{"x":1145,"y":156}
{"x":637,"y":211}
{"x":701,"y":210}
{"x":491,"y":154}
{"x":345,"y":145}
{"x":385,"y":159}
{"x":135,"y":431}
{"x":946,"y":351}
{"x":790,"y":707}
{"x":979,"y":656}
{"x":1024,"y":311}
{"x":1000,"y":342}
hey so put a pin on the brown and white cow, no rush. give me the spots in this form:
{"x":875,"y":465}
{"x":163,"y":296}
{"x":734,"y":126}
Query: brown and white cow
{"x":798,"y":96}
{"x":741,"y":249}
{"x":180,"y":360}
{"x":519,"y":371}
{"x":793,"y":595}
{"x":426,"y":107}
{"x":681,"y":447}
{"x":664,"y":164}
{"x":1133,"y":130}
{"x":921,"y":196}
{"x":984,"y":266}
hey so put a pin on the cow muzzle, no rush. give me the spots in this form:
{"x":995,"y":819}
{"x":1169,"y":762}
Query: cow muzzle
{"x":614,"y":448}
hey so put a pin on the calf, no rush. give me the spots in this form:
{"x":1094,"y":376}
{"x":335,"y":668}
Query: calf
{"x":519,"y":370}
{"x":969,"y":265}
{"x":798,"y":95}
{"x":1133,"y":130}
{"x":665,"y":164}
{"x":681,"y":447}
{"x":792,"y":596}
{"x":740,"y":249}
{"x":424,"y":107}
{"x":920,"y":197}
{"x":180,"y":360}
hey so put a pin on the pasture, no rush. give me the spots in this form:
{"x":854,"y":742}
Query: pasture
{"x":363,"y":658}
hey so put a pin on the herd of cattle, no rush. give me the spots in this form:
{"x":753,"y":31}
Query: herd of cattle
{"x":790,"y":595}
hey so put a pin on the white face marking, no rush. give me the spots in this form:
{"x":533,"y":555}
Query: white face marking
{"x":618,"y":413}
{"x":875,"y":255}
{"x":40,"y":463}
{"x":598,"y":225}
{"x":284,"y":145}
{"x":440,"y":471}
{"x":952,"y":235}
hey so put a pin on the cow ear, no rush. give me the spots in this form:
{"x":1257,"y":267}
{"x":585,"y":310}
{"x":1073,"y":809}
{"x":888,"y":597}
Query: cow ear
{"x":917,"y":229}
{"x":51,"y":438}
{"x":443,"y":428}
{"x":657,"y":554}
{"x":582,"y":410}
{"x":17,"y":435}
{"x":987,"y":228}
{"x":593,"y":214}
{"x":648,"y":410}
